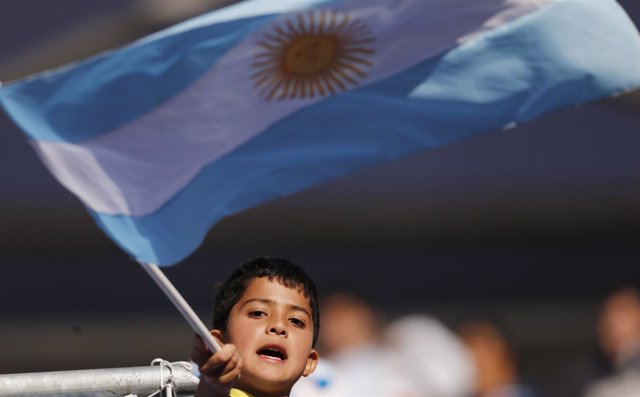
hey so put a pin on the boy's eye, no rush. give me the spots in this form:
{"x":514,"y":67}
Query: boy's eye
{"x":297,"y":322}
{"x":257,"y":314}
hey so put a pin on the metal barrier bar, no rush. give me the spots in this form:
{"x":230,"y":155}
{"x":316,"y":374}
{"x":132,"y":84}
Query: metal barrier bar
{"x":137,"y":381}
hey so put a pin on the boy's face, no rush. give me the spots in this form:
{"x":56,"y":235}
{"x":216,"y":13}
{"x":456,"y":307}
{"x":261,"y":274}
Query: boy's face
{"x":272,"y":328}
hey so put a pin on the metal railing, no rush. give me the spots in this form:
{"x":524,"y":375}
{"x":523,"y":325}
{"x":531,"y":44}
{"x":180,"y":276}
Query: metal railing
{"x":160,"y":379}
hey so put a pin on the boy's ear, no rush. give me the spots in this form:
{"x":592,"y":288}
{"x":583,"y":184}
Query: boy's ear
{"x":312,"y":363}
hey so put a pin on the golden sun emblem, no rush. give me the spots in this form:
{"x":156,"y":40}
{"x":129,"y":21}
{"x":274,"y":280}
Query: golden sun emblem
{"x":318,"y":53}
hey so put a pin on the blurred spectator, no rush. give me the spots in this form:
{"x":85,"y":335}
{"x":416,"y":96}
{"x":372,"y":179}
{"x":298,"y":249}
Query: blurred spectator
{"x":415,"y":356}
{"x":495,"y":361}
{"x":619,"y":333}
{"x":355,"y":361}
{"x":348,"y":323}
{"x":431,"y":356}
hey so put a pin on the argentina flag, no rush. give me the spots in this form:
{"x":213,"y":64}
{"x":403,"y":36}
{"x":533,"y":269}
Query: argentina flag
{"x":164,"y":137}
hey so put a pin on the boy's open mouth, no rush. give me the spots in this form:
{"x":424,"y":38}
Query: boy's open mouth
{"x":273,"y":352}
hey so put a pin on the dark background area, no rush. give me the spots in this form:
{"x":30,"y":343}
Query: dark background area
{"x":532,"y":226}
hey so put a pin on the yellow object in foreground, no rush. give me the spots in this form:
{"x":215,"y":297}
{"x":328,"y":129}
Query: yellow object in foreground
{"x":238,"y":393}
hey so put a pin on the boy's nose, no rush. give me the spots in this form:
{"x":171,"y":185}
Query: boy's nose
{"x":277,"y":328}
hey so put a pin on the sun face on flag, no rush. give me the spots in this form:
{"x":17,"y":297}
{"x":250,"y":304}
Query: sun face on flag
{"x":314,"y":54}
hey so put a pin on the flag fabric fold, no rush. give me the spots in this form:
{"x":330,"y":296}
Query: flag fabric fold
{"x":162,"y":138}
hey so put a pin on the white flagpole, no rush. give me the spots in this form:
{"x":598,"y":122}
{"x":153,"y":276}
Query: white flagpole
{"x":183,"y":307}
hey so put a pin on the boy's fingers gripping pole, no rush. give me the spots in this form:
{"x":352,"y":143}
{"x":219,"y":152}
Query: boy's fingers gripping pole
{"x":183,"y":307}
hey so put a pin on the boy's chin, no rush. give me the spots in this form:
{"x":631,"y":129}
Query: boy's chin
{"x":269,"y":381}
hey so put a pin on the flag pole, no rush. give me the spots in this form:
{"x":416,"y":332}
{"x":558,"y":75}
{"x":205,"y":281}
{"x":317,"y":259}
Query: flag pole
{"x":183,"y":307}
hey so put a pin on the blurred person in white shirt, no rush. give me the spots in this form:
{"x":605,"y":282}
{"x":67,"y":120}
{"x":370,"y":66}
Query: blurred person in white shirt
{"x":414,"y":356}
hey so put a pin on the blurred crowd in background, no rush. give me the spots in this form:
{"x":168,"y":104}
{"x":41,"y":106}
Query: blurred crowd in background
{"x":419,"y":356}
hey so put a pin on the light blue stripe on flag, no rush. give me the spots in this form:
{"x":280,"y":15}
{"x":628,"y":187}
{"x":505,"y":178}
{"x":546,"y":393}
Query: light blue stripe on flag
{"x":563,"y":53}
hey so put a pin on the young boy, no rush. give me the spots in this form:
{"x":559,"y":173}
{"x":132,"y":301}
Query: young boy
{"x":266,"y":316}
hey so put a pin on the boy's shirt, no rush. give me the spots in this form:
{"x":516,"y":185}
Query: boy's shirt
{"x":239,"y":393}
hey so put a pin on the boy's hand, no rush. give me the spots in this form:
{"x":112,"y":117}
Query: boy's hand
{"x":219,"y":371}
